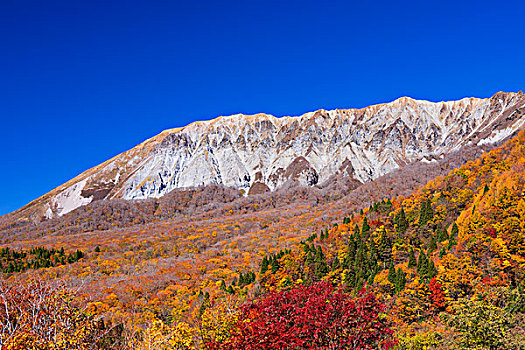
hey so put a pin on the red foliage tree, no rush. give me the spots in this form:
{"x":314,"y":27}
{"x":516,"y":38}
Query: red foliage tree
{"x":315,"y":317}
{"x":437,"y":295}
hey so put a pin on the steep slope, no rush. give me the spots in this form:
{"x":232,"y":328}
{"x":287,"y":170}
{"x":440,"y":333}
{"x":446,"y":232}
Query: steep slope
{"x":262,"y":152}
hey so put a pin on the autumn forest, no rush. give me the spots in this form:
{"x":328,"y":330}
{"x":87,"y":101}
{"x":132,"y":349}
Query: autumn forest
{"x":430,"y":257}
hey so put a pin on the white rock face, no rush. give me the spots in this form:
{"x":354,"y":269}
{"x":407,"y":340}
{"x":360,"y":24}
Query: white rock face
{"x":240,"y":150}
{"x":67,"y":200}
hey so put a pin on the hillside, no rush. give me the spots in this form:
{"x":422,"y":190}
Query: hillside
{"x":438,"y":260}
{"x":260,"y":153}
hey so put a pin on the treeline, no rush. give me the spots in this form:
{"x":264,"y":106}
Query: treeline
{"x":39,"y":257}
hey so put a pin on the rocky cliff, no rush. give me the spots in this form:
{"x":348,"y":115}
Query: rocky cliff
{"x":260,"y":152}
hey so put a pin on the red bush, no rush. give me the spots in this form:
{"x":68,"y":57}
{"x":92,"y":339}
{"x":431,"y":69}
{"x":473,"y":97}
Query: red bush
{"x":315,"y":317}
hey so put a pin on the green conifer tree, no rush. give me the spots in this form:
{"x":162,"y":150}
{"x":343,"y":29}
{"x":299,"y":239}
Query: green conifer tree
{"x":453,"y":234}
{"x":412,"y":262}
{"x":275,"y":265}
{"x":402,"y":223}
{"x":422,"y":264}
{"x":392,"y":273}
{"x":400,"y":280}
{"x":365,"y":228}
{"x":432,"y":245}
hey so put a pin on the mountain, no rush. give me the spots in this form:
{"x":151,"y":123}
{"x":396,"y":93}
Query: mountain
{"x":439,"y":245}
{"x":259,"y":153}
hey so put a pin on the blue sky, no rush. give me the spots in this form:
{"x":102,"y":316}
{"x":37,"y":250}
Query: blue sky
{"x":82,"y":81}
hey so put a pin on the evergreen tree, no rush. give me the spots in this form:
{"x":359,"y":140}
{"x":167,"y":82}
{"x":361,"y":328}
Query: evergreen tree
{"x":275,"y":265}
{"x":365,"y":228}
{"x":452,"y":239}
{"x":422,"y":264}
{"x":400,"y":281}
{"x":426,"y":213}
{"x":335,"y":264}
{"x":432,"y":245}
{"x":441,"y":234}
{"x":402,"y":223}
{"x":241,"y":279}
{"x":385,"y":247}
{"x":309,"y":259}
{"x":411,"y":259}
{"x":374,"y":254}
{"x":351,"y":253}
{"x":430,"y":211}
{"x":357,"y":232}
{"x":392,"y":273}
{"x":431,"y":269}
{"x":264,"y":265}
{"x":320,"y":263}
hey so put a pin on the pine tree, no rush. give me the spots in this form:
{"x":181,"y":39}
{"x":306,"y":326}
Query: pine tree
{"x":400,"y":281}
{"x":374,"y":254}
{"x":351,"y":253}
{"x":452,"y":239}
{"x":432,"y":246}
{"x":431,"y":269}
{"x":441,"y":234}
{"x":275,"y":265}
{"x":385,"y":247}
{"x":365,"y":228}
{"x":402,"y":223}
{"x":411,"y":259}
{"x":320,"y":263}
{"x":264,"y":265}
{"x":392,"y":273}
{"x":309,"y":259}
{"x":241,"y":279}
{"x":335,"y":264}
{"x":357,"y":232}
{"x":422,"y":264}
{"x":430,"y":211}
{"x":426,"y":213}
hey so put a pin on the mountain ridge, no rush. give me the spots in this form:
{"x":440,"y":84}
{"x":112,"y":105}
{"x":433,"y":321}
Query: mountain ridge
{"x":264,"y":151}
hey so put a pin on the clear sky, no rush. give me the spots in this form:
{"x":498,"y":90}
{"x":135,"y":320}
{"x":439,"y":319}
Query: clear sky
{"x":82,"y":81}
